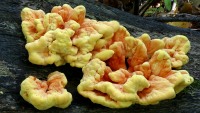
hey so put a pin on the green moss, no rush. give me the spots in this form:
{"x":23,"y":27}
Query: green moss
{"x":4,"y":70}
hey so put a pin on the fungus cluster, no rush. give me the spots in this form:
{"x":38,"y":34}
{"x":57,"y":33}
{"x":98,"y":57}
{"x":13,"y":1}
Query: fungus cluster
{"x":118,"y":69}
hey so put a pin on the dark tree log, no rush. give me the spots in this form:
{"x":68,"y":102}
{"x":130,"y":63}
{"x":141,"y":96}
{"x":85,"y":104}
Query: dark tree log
{"x":178,"y":17}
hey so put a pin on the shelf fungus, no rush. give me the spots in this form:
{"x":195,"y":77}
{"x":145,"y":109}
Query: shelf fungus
{"x":177,"y":47}
{"x":118,"y":69}
{"x":164,"y":82}
{"x":151,"y":82}
{"x":113,"y":89}
{"x":46,"y":94}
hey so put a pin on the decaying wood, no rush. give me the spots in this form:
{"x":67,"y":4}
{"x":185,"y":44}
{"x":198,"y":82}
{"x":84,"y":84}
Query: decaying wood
{"x":178,"y":17}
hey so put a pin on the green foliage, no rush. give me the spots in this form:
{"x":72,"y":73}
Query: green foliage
{"x":154,"y":11}
{"x":168,"y":5}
